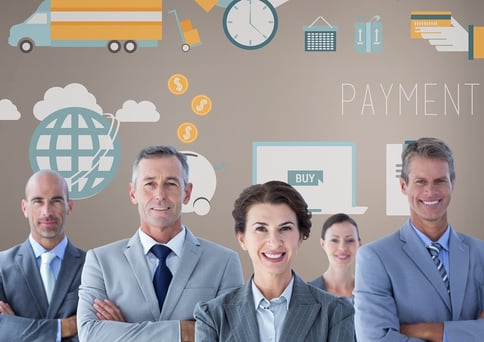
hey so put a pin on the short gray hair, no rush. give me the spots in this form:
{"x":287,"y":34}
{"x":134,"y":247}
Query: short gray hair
{"x":159,"y":152}
{"x":431,"y":148}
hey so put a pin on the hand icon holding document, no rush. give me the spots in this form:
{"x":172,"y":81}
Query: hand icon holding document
{"x":453,"y":38}
{"x":444,"y":32}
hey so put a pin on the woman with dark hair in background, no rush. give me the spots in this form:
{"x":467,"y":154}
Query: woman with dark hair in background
{"x":340,"y":240}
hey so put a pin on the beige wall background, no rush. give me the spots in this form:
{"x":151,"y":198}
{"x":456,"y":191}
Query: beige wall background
{"x":277,"y":93}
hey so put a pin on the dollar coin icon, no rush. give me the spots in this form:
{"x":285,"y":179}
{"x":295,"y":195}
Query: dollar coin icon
{"x":177,"y":84}
{"x":201,"y":104}
{"x":187,"y":132}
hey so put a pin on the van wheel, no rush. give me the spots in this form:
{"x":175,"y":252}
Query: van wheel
{"x":130,"y":46}
{"x":114,"y":46}
{"x":26,"y":45}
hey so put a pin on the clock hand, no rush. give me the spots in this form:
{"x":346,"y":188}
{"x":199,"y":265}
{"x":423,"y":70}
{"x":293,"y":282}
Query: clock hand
{"x":250,"y":21}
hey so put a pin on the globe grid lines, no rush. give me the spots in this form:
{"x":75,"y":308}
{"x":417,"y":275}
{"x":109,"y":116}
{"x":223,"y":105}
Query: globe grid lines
{"x":80,"y":144}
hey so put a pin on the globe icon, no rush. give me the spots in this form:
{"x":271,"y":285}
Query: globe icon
{"x":81,"y":145}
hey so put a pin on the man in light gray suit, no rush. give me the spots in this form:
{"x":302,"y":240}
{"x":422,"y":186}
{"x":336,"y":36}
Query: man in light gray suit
{"x":117,"y":297}
{"x":401,"y":291}
{"x":27,"y":313}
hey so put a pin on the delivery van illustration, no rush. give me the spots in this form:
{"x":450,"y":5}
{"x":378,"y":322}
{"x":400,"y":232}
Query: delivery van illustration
{"x":91,"y":23}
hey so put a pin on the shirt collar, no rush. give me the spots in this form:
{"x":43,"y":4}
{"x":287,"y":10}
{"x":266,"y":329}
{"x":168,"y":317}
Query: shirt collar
{"x":443,"y":240}
{"x":259,"y":297}
{"x":59,"y":249}
{"x":175,"y":244}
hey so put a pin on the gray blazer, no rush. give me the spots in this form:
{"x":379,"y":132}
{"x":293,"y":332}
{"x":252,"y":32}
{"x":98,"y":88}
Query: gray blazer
{"x":397,"y":282}
{"x":21,"y":287}
{"x":319,"y":283}
{"x":313,"y":315}
{"x":119,"y":272}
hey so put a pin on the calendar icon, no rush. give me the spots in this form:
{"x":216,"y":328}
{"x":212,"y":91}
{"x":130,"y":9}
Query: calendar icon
{"x":320,"y":37}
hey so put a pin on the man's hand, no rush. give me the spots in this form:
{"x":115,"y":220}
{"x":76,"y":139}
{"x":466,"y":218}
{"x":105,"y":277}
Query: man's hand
{"x":107,"y":311}
{"x":431,"y":332}
{"x":68,"y":326}
{"x":6,"y":309}
{"x":187,"y":331}
{"x":481,"y":316}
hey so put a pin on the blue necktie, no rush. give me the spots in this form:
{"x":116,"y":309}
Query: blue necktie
{"x":162,"y":277}
{"x":434,"y":250}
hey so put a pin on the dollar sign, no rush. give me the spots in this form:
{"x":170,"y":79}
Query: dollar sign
{"x":178,"y":84}
{"x":202,"y":104}
{"x":187,"y":133}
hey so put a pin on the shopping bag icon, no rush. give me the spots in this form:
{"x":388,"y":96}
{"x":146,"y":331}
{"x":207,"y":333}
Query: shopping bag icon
{"x":368,"y":35}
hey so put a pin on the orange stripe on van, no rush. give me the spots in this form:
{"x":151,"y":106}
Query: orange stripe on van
{"x":106,"y":31}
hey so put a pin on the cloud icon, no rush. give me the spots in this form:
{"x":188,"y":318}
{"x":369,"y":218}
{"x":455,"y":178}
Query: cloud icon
{"x":73,"y":95}
{"x":144,"y":111}
{"x":8,"y":111}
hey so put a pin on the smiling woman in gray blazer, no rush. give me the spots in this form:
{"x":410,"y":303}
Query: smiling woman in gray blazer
{"x":271,"y":222}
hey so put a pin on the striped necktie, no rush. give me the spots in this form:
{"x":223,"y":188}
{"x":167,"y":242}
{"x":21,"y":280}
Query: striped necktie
{"x":434,"y":250}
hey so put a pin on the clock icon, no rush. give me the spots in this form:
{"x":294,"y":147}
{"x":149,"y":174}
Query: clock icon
{"x":250,"y":24}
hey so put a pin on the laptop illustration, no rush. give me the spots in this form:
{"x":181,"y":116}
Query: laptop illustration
{"x":323,"y":172}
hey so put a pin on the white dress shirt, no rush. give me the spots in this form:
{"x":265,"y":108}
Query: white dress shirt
{"x":271,"y":313}
{"x":172,"y":260}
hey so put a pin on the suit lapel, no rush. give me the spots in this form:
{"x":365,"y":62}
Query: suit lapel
{"x":302,"y":312}
{"x":189,"y":259}
{"x":136,"y":259}
{"x":71,"y":264}
{"x":31,"y":275}
{"x":459,"y":266}
{"x":422,"y":260}
{"x":241,"y":315}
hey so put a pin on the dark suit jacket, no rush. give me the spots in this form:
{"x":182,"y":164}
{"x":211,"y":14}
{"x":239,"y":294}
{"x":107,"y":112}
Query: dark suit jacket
{"x":313,"y":315}
{"x":21,"y":287}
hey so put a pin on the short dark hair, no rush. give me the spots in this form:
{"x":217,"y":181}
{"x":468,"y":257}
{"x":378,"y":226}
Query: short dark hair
{"x":431,"y":148}
{"x":338,"y":218}
{"x":160,"y":151}
{"x":273,"y":192}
